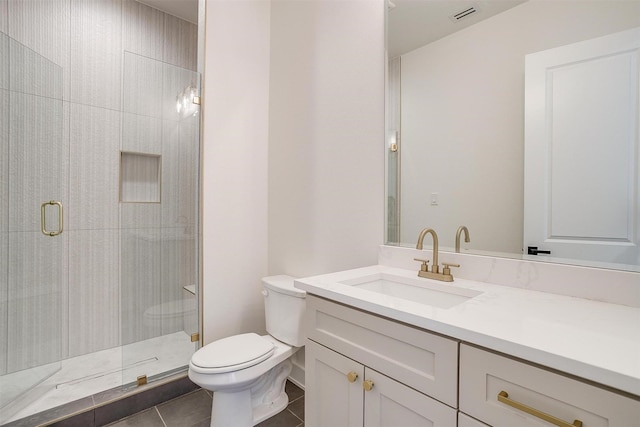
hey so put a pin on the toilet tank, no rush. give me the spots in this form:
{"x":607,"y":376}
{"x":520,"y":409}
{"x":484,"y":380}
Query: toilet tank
{"x":284,"y":308}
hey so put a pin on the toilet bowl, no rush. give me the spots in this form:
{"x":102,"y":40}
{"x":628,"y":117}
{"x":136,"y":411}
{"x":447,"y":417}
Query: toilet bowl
{"x":247,"y":372}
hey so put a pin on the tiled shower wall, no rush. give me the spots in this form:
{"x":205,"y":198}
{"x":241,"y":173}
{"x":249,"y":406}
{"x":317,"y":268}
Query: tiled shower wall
{"x":142,"y":253}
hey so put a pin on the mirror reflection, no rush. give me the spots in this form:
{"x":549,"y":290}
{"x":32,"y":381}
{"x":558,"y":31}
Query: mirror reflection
{"x":464,"y":110}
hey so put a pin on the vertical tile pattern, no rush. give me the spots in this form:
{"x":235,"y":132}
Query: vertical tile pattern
{"x":4,"y":60}
{"x":4,"y":299}
{"x":93,"y":290}
{"x":4,"y":214}
{"x":177,"y":264}
{"x":180,"y":42}
{"x":4,"y":14}
{"x":4,"y":160}
{"x":35,"y":292}
{"x":141,"y":134}
{"x":95,"y":155}
{"x":38,"y":160}
{"x":142,"y":29}
{"x":180,"y":143}
{"x":140,"y":276}
{"x":142,"y":85}
{"x":31,"y":73}
{"x":96,"y":52}
{"x":43,"y":27}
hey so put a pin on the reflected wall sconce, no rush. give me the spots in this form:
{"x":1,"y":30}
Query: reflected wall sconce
{"x":187,"y":102}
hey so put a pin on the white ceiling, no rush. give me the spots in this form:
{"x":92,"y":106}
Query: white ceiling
{"x":414,"y":23}
{"x":185,"y":9}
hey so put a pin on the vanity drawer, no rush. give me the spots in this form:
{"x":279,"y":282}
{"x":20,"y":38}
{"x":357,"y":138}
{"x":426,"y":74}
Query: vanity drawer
{"x":419,"y":359}
{"x":484,"y":375}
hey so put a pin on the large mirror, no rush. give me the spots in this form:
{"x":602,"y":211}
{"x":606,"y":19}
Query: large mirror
{"x":457,"y":88}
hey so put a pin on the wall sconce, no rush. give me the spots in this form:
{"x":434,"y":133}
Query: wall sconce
{"x":187,"y":102}
{"x":393,"y":141}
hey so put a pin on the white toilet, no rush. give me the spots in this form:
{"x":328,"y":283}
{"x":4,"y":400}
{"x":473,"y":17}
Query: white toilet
{"x":247,"y":372}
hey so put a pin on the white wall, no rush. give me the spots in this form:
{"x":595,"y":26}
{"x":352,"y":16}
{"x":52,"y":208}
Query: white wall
{"x":293,"y":173}
{"x":326,"y":135}
{"x":234,"y":174}
{"x":463,"y":109}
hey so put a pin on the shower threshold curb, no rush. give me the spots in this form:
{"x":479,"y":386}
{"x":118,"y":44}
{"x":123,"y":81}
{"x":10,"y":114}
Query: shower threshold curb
{"x":110,"y":405}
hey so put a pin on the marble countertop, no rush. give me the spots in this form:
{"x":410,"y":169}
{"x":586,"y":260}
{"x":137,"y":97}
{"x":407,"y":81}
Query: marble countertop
{"x":593,"y":340}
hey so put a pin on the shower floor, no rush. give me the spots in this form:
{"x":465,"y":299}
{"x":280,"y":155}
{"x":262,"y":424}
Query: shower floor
{"x":93,"y":373}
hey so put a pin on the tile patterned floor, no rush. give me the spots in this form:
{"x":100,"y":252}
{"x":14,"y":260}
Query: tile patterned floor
{"x":194,"y":410}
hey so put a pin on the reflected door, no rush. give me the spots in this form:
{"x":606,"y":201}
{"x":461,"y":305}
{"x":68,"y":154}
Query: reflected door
{"x":581,"y":150}
{"x":33,"y":170}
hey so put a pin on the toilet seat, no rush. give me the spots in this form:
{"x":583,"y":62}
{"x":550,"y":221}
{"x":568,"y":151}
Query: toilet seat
{"x":233,"y":353}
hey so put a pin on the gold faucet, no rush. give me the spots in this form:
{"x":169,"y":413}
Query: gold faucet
{"x":446,"y":275}
{"x":466,"y":236}
{"x":434,"y":266}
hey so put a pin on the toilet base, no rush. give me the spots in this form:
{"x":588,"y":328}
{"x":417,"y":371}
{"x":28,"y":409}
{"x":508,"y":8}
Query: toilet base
{"x":248,"y":407}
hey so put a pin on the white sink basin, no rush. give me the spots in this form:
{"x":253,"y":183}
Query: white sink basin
{"x":418,"y":290}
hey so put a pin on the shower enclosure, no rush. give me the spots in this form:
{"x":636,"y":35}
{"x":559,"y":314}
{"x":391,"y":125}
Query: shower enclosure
{"x":99,"y":173}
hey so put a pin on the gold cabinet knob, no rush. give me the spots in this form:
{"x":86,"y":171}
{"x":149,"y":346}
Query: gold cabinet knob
{"x":352,"y":376}
{"x":367,"y":385}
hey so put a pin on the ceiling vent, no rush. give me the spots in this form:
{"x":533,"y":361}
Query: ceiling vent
{"x":464,"y":14}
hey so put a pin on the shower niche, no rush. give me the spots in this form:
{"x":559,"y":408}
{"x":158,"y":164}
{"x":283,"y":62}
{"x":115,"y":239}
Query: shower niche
{"x":140,"y":177}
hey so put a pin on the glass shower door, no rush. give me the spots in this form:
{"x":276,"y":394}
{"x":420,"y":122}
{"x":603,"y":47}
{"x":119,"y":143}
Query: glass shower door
{"x":33,"y":177}
{"x":159,"y":196}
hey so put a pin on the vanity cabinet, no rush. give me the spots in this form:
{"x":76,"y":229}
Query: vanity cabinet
{"x":415,"y":380}
{"x":365,"y":370}
{"x":505,"y":392}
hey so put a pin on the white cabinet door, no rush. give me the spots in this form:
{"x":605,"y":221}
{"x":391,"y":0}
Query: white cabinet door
{"x":331,"y":398}
{"x":391,"y":404}
{"x":581,"y":149}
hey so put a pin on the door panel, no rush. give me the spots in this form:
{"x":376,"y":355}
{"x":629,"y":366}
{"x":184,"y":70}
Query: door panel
{"x":581,"y":149}
{"x":33,"y":169}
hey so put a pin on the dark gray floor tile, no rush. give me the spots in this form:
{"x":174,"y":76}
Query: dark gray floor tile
{"x":148,"y":418}
{"x":85,"y":419}
{"x":293,"y":391}
{"x":297,"y":408}
{"x":53,"y":413}
{"x":283,"y":419}
{"x":186,"y":410}
{"x":140,"y":401}
{"x":203,"y":423}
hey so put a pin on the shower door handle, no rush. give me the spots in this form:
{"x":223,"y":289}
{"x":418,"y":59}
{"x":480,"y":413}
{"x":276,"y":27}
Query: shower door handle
{"x":43,"y":218}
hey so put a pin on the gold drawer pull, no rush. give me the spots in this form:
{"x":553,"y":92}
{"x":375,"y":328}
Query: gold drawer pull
{"x":503,"y":397}
{"x":352,"y":376}
{"x":367,"y":385}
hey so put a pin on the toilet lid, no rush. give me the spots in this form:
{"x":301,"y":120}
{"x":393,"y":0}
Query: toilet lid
{"x":233,"y":353}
